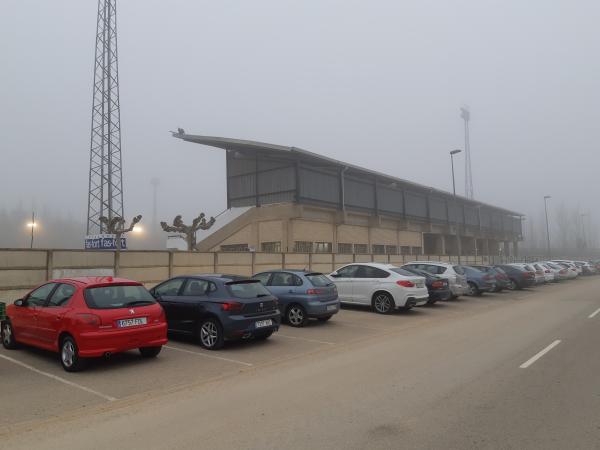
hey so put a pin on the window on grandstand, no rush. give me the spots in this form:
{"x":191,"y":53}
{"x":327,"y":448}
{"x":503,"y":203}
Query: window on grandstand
{"x":323,"y":247}
{"x":344,"y":248}
{"x":361,"y":249}
{"x":271,"y":247}
{"x":417,"y":251}
{"x":405,"y":250}
{"x":378,"y":249}
{"x":391,"y":249}
{"x":235,"y":248}
{"x":303,"y":246}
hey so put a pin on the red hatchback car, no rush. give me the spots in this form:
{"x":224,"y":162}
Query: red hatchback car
{"x":87,"y":317}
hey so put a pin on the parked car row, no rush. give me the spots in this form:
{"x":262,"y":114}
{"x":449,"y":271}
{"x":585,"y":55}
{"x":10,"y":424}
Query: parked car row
{"x":88,"y":317}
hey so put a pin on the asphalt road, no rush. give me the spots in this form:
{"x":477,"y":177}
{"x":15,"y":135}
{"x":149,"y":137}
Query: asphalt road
{"x":510,"y":371}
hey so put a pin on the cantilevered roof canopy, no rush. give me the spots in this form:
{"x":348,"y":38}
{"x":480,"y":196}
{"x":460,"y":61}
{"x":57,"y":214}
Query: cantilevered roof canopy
{"x":247,"y":147}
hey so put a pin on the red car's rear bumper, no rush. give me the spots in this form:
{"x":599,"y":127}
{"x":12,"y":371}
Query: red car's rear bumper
{"x":97,"y":343}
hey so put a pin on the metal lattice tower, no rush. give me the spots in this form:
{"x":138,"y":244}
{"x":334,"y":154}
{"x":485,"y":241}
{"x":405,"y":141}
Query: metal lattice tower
{"x":105,"y":196}
{"x":466,"y":116}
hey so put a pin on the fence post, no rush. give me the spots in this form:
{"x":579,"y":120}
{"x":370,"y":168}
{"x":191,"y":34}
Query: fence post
{"x":310,"y":261}
{"x":117,"y":262}
{"x":283,"y":260}
{"x":215,"y":257}
{"x":252,"y":263}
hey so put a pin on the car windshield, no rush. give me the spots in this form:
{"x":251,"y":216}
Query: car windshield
{"x":405,"y":272}
{"x":117,"y":296}
{"x":318,"y":280}
{"x":247,"y":289}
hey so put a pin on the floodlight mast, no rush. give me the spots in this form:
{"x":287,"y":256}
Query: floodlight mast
{"x":105,"y":193}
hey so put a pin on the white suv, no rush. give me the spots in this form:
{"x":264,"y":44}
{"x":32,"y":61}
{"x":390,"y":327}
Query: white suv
{"x":454,"y":273}
{"x":384,"y":287}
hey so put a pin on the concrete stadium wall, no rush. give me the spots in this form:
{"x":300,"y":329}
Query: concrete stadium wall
{"x":23,"y":269}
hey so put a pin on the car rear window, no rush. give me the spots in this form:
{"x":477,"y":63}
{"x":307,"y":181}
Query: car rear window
{"x":318,"y":279}
{"x":247,"y":289}
{"x":404,"y":272}
{"x":459,"y":270}
{"x":117,"y":296}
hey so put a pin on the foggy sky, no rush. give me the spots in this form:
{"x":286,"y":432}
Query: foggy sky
{"x":377,"y":84}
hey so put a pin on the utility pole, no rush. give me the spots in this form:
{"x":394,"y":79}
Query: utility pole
{"x":105,"y":194}
{"x":458,"y":242}
{"x":466,"y":116}
{"x":546,"y":197}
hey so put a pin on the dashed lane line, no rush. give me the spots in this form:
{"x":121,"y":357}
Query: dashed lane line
{"x":592,"y":315}
{"x":538,"y":355}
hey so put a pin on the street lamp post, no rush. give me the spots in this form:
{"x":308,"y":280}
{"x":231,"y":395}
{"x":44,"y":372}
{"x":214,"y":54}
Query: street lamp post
{"x":32,"y":225}
{"x":546,"y":197}
{"x":458,"y":243}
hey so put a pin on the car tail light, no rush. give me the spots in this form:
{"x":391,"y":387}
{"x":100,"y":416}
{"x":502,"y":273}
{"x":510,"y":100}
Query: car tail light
{"x":232,"y":306}
{"x":89,"y":320}
{"x":162,"y":317}
{"x":529,"y":275}
{"x":315,"y":292}
{"x":405,"y":283}
{"x":439,"y":284}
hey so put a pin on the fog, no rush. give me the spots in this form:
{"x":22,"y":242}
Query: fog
{"x":377,"y":84}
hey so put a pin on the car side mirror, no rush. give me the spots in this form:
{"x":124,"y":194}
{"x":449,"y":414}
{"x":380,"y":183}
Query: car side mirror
{"x":20,"y":302}
{"x":153,"y":293}
{"x":335,"y":275}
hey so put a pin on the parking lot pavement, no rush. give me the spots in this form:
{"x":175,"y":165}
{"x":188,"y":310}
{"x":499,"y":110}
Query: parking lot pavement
{"x":33,"y":385}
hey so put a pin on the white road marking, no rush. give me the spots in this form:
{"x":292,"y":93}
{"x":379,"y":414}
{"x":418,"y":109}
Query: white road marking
{"x":533,"y":359}
{"x":207,"y":355}
{"x":592,"y":315}
{"x":305,"y":339}
{"x":62,"y":380}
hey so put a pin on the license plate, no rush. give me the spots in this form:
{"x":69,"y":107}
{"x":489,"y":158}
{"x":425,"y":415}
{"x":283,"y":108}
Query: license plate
{"x":124,"y":323}
{"x":331,"y":307}
{"x":263,"y":323}
{"x":420,"y":285}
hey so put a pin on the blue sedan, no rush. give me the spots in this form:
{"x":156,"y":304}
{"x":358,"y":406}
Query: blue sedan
{"x":302,"y":295}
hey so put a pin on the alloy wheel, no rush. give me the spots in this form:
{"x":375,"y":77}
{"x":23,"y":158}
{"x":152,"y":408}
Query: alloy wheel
{"x":7,"y":334}
{"x":209,"y":334}
{"x":383,"y":303}
{"x":68,"y":353}
{"x":296,"y":316}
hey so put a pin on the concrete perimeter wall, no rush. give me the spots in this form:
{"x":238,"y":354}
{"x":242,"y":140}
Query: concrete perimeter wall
{"x":23,"y":269}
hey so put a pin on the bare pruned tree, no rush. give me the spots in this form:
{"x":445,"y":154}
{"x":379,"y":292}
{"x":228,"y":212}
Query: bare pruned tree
{"x":116,"y":226}
{"x":188,"y":231}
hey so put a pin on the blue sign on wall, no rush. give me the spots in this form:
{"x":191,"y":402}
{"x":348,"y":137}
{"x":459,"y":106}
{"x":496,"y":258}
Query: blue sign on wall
{"x":104,"y":242}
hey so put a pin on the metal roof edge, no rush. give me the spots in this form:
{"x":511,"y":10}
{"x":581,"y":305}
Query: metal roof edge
{"x":227,"y":144}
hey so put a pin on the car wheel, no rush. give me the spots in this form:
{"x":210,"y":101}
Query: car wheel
{"x":69,"y":355}
{"x":210,"y":333}
{"x":150,"y":352}
{"x":296,"y":316}
{"x":8,"y":337}
{"x":263,"y":336}
{"x":474,"y":290}
{"x":383,"y":303}
{"x":512,"y":285}
{"x":324,"y":319}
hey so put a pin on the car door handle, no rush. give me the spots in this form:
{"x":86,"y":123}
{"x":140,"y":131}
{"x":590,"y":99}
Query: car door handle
{"x":290,"y":292}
